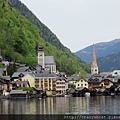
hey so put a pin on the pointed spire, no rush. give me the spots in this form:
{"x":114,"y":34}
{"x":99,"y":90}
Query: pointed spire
{"x":94,"y":66}
{"x":94,"y":62}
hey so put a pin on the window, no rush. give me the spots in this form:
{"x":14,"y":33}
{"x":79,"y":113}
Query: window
{"x":85,"y":84}
{"x":81,"y":80}
{"x":81,"y":84}
{"x":78,"y":84}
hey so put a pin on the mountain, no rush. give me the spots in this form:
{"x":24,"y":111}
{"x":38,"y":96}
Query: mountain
{"x":109,"y":62}
{"x":102,"y":49}
{"x":19,"y":40}
{"x":45,"y":32}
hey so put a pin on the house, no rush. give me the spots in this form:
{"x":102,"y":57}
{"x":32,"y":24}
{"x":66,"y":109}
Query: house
{"x":116,"y":73}
{"x":19,"y":83}
{"x":19,"y":94}
{"x":46,"y":81}
{"x":5,"y":84}
{"x":94,"y":81}
{"x":61,"y":84}
{"x":23,"y":79}
{"x":81,"y":83}
{"x":18,"y":75}
{"x":106,"y":83}
{"x":30,"y":78}
{"x":73,"y":79}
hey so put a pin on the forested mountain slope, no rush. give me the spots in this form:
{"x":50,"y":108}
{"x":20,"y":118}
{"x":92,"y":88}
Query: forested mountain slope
{"x":109,"y":62}
{"x":19,"y":40}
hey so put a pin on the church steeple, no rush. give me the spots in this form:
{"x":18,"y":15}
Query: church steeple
{"x":41,"y":58}
{"x":94,"y":66}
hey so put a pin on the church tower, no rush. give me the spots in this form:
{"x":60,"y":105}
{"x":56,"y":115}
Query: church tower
{"x":94,"y":66}
{"x":41,"y":57}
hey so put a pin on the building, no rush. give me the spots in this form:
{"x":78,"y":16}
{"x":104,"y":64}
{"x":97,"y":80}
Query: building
{"x":106,"y":83}
{"x":22,"y":79}
{"x":81,"y":83}
{"x":47,"y":62}
{"x":5,"y":84}
{"x":46,"y":81}
{"x":94,"y":66}
{"x":73,"y":79}
{"x":116,"y":73}
{"x":61,"y":84}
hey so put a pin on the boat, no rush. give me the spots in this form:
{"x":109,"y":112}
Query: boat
{"x":87,"y":94}
{"x":67,"y":95}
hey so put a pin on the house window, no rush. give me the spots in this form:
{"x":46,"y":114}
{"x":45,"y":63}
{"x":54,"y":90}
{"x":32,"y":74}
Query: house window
{"x":81,"y":80}
{"x":81,"y":84}
{"x":78,"y":84}
{"x":85,"y":84}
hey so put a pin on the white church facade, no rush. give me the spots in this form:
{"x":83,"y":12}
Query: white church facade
{"x":46,"y":62}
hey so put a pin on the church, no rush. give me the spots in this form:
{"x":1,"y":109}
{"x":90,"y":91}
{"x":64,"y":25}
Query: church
{"x":46,"y":62}
{"x":94,"y":66}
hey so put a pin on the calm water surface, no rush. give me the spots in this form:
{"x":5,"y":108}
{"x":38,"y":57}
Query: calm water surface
{"x":62,"y":105}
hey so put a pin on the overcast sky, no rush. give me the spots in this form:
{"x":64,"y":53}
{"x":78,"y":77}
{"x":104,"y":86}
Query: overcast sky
{"x":79,"y":23}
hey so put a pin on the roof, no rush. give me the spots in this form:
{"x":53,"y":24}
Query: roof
{"x":22,"y":69}
{"x":73,"y":77}
{"x":17,"y":92}
{"x":44,"y":75}
{"x":16,"y":74}
{"x":20,"y":82}
{"x":5,"y":63}
{"x":49,"y":60}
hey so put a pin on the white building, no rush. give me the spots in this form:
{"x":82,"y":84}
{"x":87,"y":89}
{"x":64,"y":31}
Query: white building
{"x":47,"y":62}
{"x":81,"y":83}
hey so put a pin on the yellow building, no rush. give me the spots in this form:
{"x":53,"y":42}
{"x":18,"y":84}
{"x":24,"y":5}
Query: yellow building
{"x":47,"y":82}
{"x":30,"y":79}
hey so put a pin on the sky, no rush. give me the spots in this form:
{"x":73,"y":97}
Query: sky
{"x":79,"y":23}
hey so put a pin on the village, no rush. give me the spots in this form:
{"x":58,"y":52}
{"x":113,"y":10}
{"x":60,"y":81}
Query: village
{"x":45,"y":81}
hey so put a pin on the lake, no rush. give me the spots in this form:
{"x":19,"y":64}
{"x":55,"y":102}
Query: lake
{"x":62,"y":105}
{"x":58,"y":107}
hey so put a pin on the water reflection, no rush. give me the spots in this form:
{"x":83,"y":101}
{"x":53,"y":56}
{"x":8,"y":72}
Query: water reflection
{"x":62,"y":105}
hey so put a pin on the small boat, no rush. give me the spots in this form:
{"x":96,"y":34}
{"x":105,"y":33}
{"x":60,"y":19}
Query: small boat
{"x":112,"y":94}
{"x":87,"y":94}
{"x":68,"y":95}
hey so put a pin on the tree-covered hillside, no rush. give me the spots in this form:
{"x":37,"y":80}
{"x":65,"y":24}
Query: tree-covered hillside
{"x":19,"y":40}
{"x":45,"y":32}
{"x":109,"y":62}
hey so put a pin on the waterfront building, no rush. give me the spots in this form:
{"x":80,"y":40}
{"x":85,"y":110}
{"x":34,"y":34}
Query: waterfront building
{"x":81,"y":83}
{"x":106,"y":83}
{"x":61,"y":84}
{"x":94,"y":66}
{"x":94,"y":81}
{"x":46,"y":62}
{"x":5,"y":84}
{"x":46,"y":81}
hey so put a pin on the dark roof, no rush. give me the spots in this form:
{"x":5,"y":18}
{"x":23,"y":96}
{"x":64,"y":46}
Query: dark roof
{"x":44,"y":75}
{"x":16,"y":74}
{"x":73,"y":77}
{"x":49,"y":60}
{"x":22,"y":69}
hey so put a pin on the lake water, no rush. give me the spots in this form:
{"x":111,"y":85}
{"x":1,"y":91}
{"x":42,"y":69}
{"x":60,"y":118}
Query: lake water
{"x":62,"y":105}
